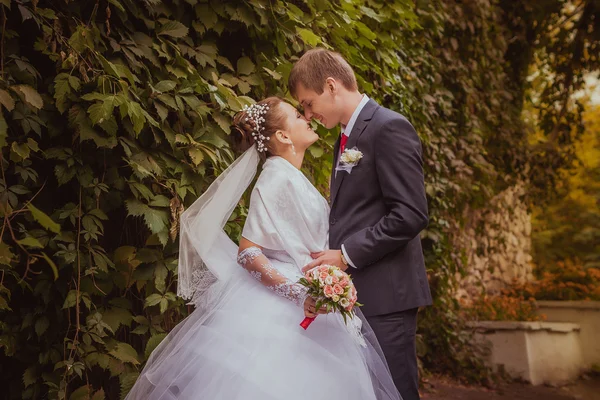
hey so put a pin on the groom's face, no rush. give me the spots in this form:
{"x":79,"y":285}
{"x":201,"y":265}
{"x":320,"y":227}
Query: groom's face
{"x":318,"y":106}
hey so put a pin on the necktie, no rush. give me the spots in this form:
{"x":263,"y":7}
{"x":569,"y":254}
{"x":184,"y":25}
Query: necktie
{"x":343,"y":143}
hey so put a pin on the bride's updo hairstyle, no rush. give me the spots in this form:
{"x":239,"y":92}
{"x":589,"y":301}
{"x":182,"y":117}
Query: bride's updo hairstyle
{"x":256,"y":124}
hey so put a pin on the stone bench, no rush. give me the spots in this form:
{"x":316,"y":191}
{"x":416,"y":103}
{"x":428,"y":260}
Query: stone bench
{"x":536,"y":352}
{"x":586,"y":314}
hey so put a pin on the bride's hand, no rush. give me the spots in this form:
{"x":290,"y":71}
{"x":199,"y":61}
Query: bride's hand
{"x":309,"y":308}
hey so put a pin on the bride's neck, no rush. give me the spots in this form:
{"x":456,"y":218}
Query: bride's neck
{"x":294,"y":159}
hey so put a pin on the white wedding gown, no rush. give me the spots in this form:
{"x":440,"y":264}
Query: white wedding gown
{"x":248,"y":344}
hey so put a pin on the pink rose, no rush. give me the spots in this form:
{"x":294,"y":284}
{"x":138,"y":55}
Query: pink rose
{"x":335,"y":279}
{"x":328,"y":290}
{"x":337,"y":289}
{"x":344,"y":282}
{"x":323,"y":269}
{"x":323,"y":275}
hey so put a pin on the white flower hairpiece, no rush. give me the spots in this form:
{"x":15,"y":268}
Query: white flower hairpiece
{"x":255,"y":113}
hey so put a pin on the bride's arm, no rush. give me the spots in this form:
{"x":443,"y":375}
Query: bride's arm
{"x":252,"y":259}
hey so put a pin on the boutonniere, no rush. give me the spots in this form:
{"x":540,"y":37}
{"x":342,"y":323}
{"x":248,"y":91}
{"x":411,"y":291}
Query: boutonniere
{"x":349,"y":159}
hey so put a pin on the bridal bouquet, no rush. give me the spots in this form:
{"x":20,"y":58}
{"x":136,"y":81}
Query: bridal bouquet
{"x":332,"y":288}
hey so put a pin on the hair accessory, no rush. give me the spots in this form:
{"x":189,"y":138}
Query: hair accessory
{"x":256,"y":113}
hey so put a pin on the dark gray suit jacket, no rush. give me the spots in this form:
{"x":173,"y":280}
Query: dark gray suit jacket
{"x":378,"y":211}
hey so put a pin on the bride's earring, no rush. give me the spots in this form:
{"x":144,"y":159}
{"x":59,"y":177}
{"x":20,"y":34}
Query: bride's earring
{"x":293,"y":148}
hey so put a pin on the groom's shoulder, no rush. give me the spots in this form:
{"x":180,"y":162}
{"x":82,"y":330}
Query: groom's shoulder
{"x":386,"y":118}
{"x":385,"y":114}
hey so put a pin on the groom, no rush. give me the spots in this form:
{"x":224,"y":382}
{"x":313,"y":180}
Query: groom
{"x":378,"y":206}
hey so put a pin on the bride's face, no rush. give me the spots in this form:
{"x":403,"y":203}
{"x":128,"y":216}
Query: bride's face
{"x":298,"y":128}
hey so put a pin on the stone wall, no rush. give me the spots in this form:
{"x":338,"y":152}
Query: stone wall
{"x":497,"y":241}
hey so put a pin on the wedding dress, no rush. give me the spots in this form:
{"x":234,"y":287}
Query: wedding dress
{"x":244,"y":341}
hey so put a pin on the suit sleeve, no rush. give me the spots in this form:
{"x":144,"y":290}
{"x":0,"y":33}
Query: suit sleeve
{"x":399,"y":168}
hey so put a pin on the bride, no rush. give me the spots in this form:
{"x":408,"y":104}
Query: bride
{"x":243,"y":341}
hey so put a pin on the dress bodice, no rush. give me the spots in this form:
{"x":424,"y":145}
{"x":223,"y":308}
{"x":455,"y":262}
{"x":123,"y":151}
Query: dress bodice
{"x":288,"y":217}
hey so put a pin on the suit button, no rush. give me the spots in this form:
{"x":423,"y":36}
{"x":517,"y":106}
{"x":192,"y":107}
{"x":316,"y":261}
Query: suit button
{"x":332,"y":222}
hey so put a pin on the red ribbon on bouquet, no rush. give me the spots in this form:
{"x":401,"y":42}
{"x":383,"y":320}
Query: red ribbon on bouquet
{"x":306,"y":322}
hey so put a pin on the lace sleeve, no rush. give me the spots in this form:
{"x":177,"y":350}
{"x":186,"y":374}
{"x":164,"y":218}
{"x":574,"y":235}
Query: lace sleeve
{"x":254,"y":261}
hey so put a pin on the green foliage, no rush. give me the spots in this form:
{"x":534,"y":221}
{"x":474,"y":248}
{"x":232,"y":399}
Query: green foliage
{"x":554,"y":45}
{"x":115,"y":115}
{"x":568,"y":227}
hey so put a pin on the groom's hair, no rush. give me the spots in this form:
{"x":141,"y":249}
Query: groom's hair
{"x":315,"y":66}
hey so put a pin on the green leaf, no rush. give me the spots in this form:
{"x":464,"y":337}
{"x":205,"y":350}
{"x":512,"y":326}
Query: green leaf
{"x":117,"y":4}
{"x":4,"y":305}
{"x":316,"y":151}
{"x":174,"y":29}
{"x":6,"y":100}
{"x":124,"y":72}
{"x":70,"y":300}
{"x":206,"y":15}
{"x":165,"y":86}
{"x":61,"y":91}
{"x":153,"y":343}
{"x":30,"y":241}
{"x":127,"y":380}
{"x":32,"y":97}
{"x":168,"y":100}
{"x":115,"y":317}
{"x":274,"y":74}
{"x":109,"y":67}
{"x":124,"y":352}
{"x":206,"y":54}
{"x":96,"y":112}
{"x":164,"y":304}
{"x":6,"y":254}
{"x":99,"y":214}
{"x":99,"y":395}
{"x":95,"y":96}
{"x":75,"y":82}
{"x":20,"y":150}
{"x":196,"y":155}
{"x":30,"y":376}
{"x":160,"y":201}
{"x":43,"y":219}
{"x":245,"y":66}
{"x":153,"y":299}
{"x":156,"y":220}
{"x":308,"y":36}
{"x":161,"y":110}
{"x":365,"y":31}
{"x":225,"y":62}
{"x":33,"y":145}
{"x":244,"y":87}
{"x":223,"y":122}
{"x":160,"y":273}
{"x":41,"y":325}
{"x":51,"y":264}
{"x":81,"y":393}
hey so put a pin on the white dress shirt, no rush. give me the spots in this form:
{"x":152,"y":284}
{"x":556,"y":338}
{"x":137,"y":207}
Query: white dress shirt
{"x":347,"y":130}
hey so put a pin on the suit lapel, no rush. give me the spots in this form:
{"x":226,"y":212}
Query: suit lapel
{"x":361,"y":123}
{"x":336,"y":155}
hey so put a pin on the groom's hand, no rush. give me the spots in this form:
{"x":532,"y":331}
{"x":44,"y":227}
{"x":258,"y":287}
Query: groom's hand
{"x":330,"y":257}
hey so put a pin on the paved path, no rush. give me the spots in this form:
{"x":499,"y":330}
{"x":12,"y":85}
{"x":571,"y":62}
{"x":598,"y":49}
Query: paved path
{"x":444,"y":389}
